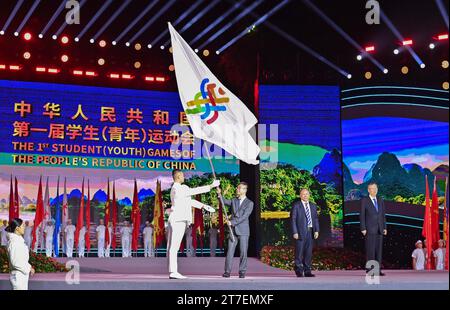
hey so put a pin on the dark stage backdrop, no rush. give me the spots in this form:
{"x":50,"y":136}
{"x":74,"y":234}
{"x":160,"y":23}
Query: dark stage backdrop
{"x":393,"y":135}
{"x":301,"y":148}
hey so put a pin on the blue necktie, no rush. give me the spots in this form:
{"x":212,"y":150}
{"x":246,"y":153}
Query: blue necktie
{"x":375,"y":203}
{"x":308,"y":214}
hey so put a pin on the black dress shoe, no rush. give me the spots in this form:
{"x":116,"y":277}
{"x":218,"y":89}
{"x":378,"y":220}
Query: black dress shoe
{"x":382,"y":274}
{"x":242,"y":275}
{"x":299,"y":274}
{"x":309,"y":275}
{"x":226,"y":275}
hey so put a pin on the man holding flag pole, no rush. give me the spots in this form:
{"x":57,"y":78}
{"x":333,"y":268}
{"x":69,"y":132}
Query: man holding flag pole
{"x":214,"y":113}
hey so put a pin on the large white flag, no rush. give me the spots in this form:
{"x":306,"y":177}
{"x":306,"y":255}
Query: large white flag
{"x":214,"y":113}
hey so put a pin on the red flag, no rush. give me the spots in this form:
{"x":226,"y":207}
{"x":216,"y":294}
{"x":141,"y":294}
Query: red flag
{"x":88,"y":220}
{"x":11,"y":210}
{"x":16,"y":199}
{"x":221,"y":227}
{"x":198,"y":226}
{"x":107,"y":207}
{"x":80,"y":215}
{"x":114,"y":218}
{"x":446,"y":222}
{"x":435,"y":217}
{"x":427,"y":225}
{"x":158,"y":217}
{"x":135,"y":218}
{"x":39,"y":215}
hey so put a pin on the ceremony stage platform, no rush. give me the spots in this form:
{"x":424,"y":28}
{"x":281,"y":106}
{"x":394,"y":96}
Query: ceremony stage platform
{"x":205,"y":273}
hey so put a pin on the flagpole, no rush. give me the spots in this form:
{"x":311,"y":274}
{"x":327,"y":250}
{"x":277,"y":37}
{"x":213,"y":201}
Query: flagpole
{"x":220,"y":196}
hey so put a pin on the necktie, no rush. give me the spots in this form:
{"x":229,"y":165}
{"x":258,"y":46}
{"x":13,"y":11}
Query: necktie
{"x":308,"y":214}
{"x":375,"y":203}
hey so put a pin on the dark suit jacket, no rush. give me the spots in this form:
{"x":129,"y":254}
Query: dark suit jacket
{"x":240,"y":215}
{"x":371,"y":220}
{"x":299,"y":222}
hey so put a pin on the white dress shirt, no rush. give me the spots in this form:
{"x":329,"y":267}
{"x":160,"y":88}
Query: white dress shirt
{"x":307,"y":208}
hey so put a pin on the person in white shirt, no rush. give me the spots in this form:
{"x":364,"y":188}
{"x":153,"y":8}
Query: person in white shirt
{"x":3,"y":233}
{"x":213,"y":232}
{"x":418,"y":257}
{"x":108,"y":246}
{"x":18,"y":255}
{"x":28,"y":234}
{"x":81,"y":241}
{"x":70,"y":237}
{"x":126,"y":232}
{"x":148,"y":240}
{"x":181,"y":216}
{"x":190,"y":251}
{"x":49,"y":238}
{"x":101,"y":230}
{"x":439,"y":255}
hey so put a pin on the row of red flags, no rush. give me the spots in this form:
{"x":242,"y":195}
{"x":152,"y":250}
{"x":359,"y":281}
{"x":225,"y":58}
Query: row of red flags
{"x":84,"y":215}
{"x":430,"y":230}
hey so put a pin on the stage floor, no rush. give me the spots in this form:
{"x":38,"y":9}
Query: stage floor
{"x":205,"y":274}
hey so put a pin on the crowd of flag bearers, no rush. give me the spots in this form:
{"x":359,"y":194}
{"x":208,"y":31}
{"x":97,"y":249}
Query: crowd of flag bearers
{"x":57,"y":236}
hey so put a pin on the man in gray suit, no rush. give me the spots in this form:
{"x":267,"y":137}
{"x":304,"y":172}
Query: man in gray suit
{"x":242,"y":207}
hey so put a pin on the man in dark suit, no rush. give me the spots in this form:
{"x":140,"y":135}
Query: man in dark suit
{"x":373,"y":224}
{"x":242,"y":207}
{"x":305,"y":227}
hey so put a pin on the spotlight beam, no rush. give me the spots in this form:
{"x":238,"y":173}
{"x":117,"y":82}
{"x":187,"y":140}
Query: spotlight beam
{"x":258,"y":22}
{"x":343,"y":34}
{"x":217,"y":21}
{"x":54,"y":16}
{"x":235,"y":20}
{"x":137,"y":19}
{"x":199,"y":15}
{"x":152,"y":20}
{"x":64,"y":24}
{"x":443,"y":11}
{"x":27,"y":17}
{"x":179,"y":19}
{"x":111,"y":19}
{"x":11,"y":16}
{"x":400,"y":37}
{"x":93,"y":19}
{"x":301,"y":45}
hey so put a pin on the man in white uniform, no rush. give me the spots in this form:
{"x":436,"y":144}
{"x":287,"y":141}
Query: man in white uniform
{"x":418,"y":257}
{"x":148,"y":240}
{"x":439,"y":255}
{"x":213,"y":240}
{"x":81,"y":241}
{"x":49,"y":238}
{"x":108,"y":246}
{"x":3,"y":233}
{"x":28,"y":234}
{"x":190,"y":251}
{"x":101,"y":229}
{"x":125,"y":232}
{"x":70,"y":237}
{"x":181,"y":216}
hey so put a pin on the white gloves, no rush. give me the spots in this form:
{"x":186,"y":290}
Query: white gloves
{"x":215,"y":183}
{"x":209,"y":209}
